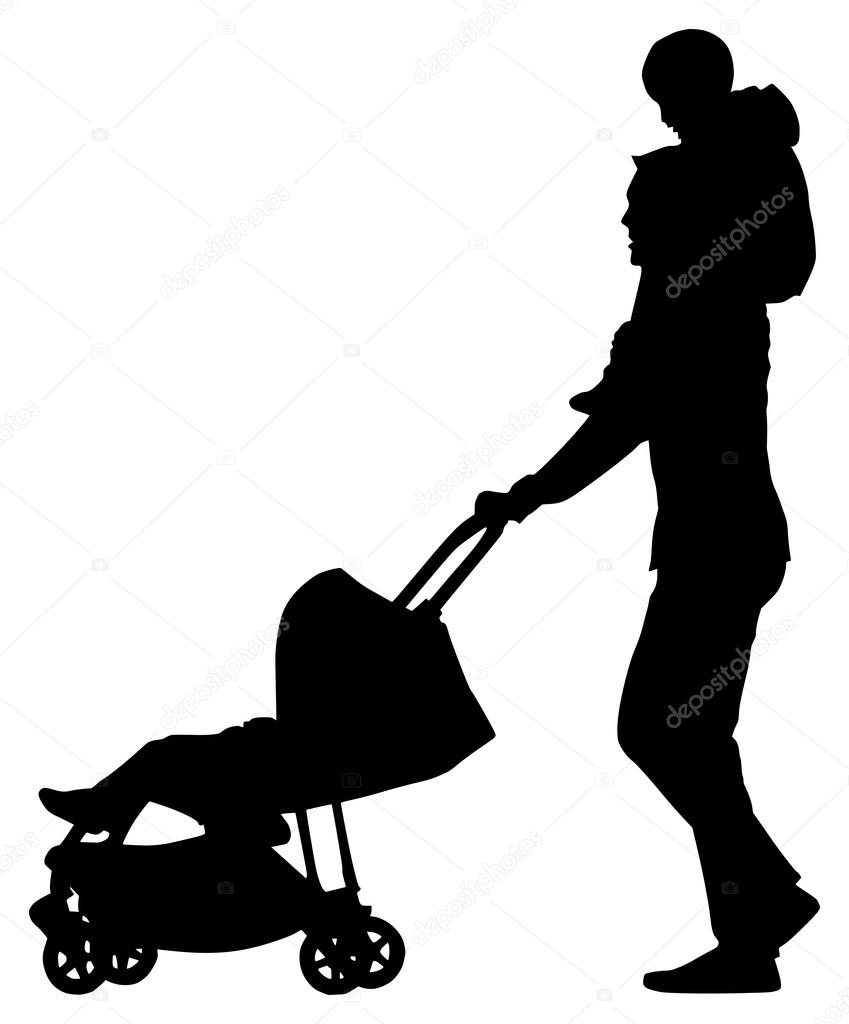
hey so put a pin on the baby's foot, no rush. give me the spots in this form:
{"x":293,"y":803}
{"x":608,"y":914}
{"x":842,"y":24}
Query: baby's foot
{"x":93,"y":809}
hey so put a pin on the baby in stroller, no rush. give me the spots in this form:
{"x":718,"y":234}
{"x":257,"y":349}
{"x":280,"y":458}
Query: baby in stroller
{"x":359,"y":729}
{"x":227,"y":889}
{"x":230,"y":777}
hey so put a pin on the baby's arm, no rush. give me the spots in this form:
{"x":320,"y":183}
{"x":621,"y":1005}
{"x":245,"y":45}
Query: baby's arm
{"x":623,"y":353}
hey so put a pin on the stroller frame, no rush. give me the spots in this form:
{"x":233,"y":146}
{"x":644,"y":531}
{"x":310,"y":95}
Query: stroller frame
{"x":345,"y":946}
{"x":116,"y":935}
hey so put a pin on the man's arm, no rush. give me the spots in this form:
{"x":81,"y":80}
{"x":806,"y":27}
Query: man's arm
{"x":595,"y":447}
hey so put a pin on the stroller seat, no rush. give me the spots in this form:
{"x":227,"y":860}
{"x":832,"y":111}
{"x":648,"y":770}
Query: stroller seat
{"x":206,"y":894}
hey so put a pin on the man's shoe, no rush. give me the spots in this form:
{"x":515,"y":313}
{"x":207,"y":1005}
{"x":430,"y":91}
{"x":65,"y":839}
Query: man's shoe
{"x":792,"y":915}
{"x":720,"y":970}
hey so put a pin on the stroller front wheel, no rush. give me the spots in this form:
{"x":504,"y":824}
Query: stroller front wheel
{"x":129,"y":963}
{"x":71,"y":961}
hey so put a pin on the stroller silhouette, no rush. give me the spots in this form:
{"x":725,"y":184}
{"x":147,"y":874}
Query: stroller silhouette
{"x":219,"y":891}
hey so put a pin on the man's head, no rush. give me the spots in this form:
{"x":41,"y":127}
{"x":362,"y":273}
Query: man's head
{"x":688,"y":74}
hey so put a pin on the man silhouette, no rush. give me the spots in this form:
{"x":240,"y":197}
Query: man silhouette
{"x":720,"y":226}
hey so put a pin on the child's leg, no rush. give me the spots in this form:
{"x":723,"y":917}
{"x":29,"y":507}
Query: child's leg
{"x":202,"y":776}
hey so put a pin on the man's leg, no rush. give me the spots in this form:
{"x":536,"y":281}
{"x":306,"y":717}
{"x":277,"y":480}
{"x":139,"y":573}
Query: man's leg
{"x":679,"y":708}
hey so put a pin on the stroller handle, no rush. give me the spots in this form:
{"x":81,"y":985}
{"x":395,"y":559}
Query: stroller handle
{"x":465,"y":531}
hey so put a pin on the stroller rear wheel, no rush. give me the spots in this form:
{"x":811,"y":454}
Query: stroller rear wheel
{"x":369,"y":955}
{"x":129,"y":963}
{"x":329,"y":962}
{"x":71,"y":960}
{"x":380,"y":953}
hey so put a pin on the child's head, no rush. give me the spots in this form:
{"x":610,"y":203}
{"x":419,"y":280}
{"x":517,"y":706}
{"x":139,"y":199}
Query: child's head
{"x":688,"y":74}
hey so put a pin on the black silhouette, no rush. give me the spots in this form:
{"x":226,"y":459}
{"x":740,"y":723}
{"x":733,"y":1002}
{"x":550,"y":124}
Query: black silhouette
{"x":720,"y":225}
{"x":370,"y":696}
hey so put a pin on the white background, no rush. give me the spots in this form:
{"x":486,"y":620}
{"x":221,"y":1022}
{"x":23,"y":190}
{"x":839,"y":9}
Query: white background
{"x":182,"y":464}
